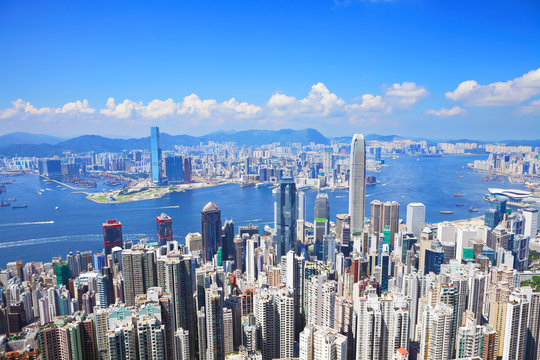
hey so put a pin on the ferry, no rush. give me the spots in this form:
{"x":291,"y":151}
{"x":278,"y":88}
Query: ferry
{"x":471,"y":209}
{"x":446,"y":212}
{"x":264,"y":184}
{"x":458,"y":195}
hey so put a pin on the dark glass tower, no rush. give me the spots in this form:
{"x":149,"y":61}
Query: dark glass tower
{"x":322,"y":222}
{"x":286,"y":215}
{"x":210,"y":230}
{"x":112,"y":235}
{"x":174,"y":169}
{"x":227,"y":244}
{"x":164,"y":229}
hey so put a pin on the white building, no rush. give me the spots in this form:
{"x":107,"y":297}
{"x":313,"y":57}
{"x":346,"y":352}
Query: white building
{"x":416,"y":216}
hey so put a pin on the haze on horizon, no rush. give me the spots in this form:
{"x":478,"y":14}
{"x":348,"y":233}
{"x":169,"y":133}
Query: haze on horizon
{"x":433,"y":69}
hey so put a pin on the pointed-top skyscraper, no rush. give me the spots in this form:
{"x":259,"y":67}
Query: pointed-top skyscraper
{"x":357,"y":186}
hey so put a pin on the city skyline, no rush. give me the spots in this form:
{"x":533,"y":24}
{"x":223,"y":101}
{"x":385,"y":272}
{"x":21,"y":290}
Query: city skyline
{"x":361,"y":68}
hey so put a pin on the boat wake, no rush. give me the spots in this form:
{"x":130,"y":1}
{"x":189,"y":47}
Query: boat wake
{"x":73,"y":238}
{"x":29,"y":223}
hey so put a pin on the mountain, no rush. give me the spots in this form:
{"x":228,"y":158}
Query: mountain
{"x":98,"y":143}
{"x":28,"y":138}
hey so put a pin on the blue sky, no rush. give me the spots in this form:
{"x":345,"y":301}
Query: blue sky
{"x":439,"y":69}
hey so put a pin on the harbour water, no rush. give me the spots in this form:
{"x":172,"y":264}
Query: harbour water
{"x":39,"y":232}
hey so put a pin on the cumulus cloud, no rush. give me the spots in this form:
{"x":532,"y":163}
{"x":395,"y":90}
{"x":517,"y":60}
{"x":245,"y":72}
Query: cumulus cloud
{"x":319,"y":103}
{"x":405,"y":94}
{"x":531,"y":108}
{"x":456,"y":110}
{"x":23,"y":108}
{"x":498,"y":93}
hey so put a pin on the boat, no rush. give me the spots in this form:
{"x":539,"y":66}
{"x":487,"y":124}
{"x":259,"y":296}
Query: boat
{"x":4,"y":204}
{"x":446,"y":212}
{"x":56,"y":208}
{"x":458,"y":195}
{"x":460,"y":204}
{"x":12,"y":199}
{"x":471,"y":209}
{"x":264,"y":184}
{"x":23,"y":206}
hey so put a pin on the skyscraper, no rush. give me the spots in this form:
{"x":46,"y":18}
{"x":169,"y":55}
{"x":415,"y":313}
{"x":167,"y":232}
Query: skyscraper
{"x":286,"y":215}
{"x":322,"y":222}
{"x":227,"y":243}
{"x":155,"y":156}
{"x":164,"y":228}
{"x":531,"y":222}
{"x":416,"y":216}
{"x":357,"y":186}
{"x":215,"y":340}
{"x":210,"y":230}
{"x":174,"y":169}
{"x":187,"y":169}
{"x":112,"y":235}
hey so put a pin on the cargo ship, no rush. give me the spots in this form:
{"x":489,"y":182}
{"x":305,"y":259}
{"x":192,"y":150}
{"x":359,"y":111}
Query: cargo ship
{"x":446,"y":212}
{"x":24,"y":206}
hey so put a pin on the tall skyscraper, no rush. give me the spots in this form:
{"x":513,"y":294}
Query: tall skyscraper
{"x":227,"y":242}
{"x":164,"y":229}
{"x":286,"y":215}
{"x":210,"y":230}
{"x":416,"y":216}
{"x":215,"y":340}
{"x":301,"y":205}
{"x":322,"y":222}
{"x":187,"y":169}
{"x":155,"y":156}
{"x":112,"y":235}
{"x":382,"y":215}
{"x":357,"y":186}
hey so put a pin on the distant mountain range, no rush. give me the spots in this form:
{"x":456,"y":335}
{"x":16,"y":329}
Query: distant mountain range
{"x":26,"y":144}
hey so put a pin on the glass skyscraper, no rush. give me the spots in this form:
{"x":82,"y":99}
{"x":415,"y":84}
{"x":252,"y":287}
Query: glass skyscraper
{"x":155,"y":155}
{"x":286,"y":215}
{"x":174,"y":169}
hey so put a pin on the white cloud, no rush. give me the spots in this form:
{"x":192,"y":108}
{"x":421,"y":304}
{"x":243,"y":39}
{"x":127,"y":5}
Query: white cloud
{"x":319,"y":104}
{"x":531,"y":108}
{"x":20,"y":107}
{"x":498,"y":93}
{"x":456,"y":110}
{"x":405,"y":94}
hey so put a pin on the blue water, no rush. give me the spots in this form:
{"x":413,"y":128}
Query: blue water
{"x":40,"y":232}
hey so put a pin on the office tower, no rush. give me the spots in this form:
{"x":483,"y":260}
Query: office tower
{"x":227,"y":242}
{"x":435,"y":343}
{"x":155,"y":156}
{"x":210,"y":230}
{"x":286,"y":215}
{"x":61,"y":270}
{"x":490,"y":218}
{"x":251,"y":270}
{"x":531,"y":222}
{"x":385,"y":267}
{"x":181,"y":345}
{"x":194,"y":242}
{"x":105,"y":288}
{"x":416,"y":217}
{"x":520,"y":252}
{"x":301,"y":205}
{"x":317,"y":342}
{"x":174,"y":169}
{"x":515,"y":333}
{"x":164,"y":228}
{"x":464,"y":238}
{"x":238,"y":253}
{"x":180,"y":284}
{"x":215,"y":341}
{"x":112,"y":235}
{"x":187,"y":169}
{"x":382,"y":215}
{"x":475,"y":301}
{"x":322,"y":222}
{"x":341,"y":220}
{"x":357,"y":186}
